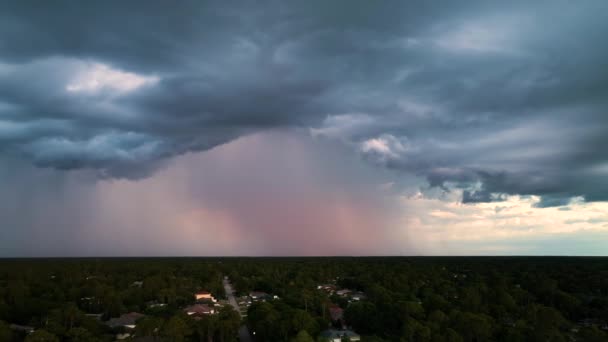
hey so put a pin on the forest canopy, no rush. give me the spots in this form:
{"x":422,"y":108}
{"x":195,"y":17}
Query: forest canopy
{"x":301,"y":299}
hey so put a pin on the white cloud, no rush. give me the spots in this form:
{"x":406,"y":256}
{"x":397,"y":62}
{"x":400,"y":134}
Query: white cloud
{"x":378,"y":145}
{"x":342,"y":126}
{"x":385,"y":147}
{"x":446,"y":226}
{"x":97,"y":76}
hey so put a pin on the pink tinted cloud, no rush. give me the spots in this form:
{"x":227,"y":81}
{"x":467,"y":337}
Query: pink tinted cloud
{"x":275,"y":193}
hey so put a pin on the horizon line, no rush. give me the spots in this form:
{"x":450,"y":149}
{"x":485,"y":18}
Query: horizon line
{"x":303,"y":256}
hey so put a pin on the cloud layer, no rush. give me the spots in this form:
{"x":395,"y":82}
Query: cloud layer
{"x":274,"y":193}
{"x":489,"y":99}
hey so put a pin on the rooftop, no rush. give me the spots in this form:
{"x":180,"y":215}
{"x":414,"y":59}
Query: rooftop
{"x":334,"y":333}
{"x":125,"y":320}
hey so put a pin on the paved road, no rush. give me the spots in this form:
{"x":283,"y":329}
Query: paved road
{"x":244,"y":335}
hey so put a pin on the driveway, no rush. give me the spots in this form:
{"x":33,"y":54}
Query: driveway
{"x":244,"y":335}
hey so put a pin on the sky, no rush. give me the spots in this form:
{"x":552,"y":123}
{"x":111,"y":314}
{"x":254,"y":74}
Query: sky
{"x":211,"y":128}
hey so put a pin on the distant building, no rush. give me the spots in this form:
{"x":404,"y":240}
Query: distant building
{"x":259,"y":295}
{"x":127,"y":320}
{"x":24,"y":328}
{"x":204,"y":295}
{"x":95,"y":316}
{"x":343,"y":292}
{"x":334,"y":335}
{"x":199,"y":310}
{"x":122,"y":336}
{"x":358,"y":296}
{"x":328,"y":288}
{"x":138,"y":283}
{"x":155,"y":304}
{"x":590,"y":322}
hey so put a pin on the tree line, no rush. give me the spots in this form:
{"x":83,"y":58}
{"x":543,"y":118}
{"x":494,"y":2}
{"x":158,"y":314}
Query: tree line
{"x":406,"y":299}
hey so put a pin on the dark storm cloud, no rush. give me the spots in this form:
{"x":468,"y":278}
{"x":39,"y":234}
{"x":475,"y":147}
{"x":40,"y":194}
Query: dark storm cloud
{"x":489,"y":97}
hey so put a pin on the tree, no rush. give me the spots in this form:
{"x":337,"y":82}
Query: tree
{"x":362,"y":316}
{"x":176,"y":329}
{"x":4,"y":309}
{"x":229,"y":323}
{"x":63,"y":319}
{"x":371,"y":339}
{"x":473,"y":327}
{"x":415,"y":331}
{"x":41,"y":336}
{"x":206,"y":328}
{"x":307,"y":297}
{"x":149,"y":326}
{"x":5,"y":332}
{"x":302,"y":336}
{"x":412,"y":309}
{"x":547,"y":323}
{"x":80,"y":334}
{"x":452,"y":336}
{"x":593,"y":334}
{"x":112,"y":305}
{"x":263,"y":319}
{"x":301,"y":320}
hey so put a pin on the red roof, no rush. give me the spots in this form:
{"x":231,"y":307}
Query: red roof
{"x":336,"y":312}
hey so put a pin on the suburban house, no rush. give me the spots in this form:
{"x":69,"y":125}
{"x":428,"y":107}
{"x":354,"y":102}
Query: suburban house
{"x":123,"y":336}
{"x":137,"y":283}
{"x":199,"y":310}
{"x":22,"y":328}
{"x":155,"y":304}
{"x":329,"y":288}
{"x":259,"y":295}
{"x":343,"y":292}
{"x":95,"y":316}
{"x":127,"y":320}
{"x":358,"y":296}
{"x":204,"y":295}
{"x":334,"y":335}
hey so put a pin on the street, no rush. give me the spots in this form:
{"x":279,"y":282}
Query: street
{"x":244,"y":335}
